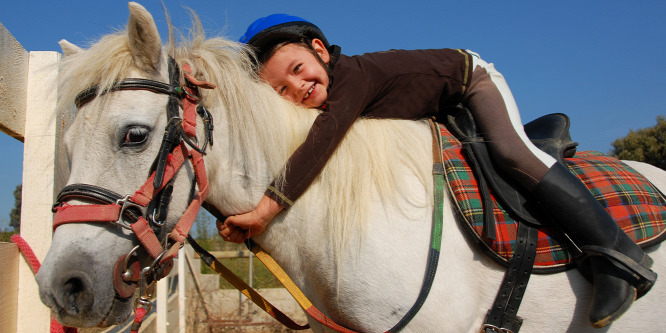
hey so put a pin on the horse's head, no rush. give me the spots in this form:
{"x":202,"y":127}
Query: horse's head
{"x":136,"y":176}
{"x":118,"y":219}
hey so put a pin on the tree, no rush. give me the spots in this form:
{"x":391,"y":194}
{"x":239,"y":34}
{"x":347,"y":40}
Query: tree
{"x":15,"y":214}
{"x":645,"y":145}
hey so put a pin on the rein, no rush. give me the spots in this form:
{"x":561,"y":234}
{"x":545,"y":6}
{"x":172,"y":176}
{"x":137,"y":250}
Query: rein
{"x":144,"y":212}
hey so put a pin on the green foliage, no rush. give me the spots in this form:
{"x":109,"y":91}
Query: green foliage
{"x":5,"y":236}
{"x":211,"y":241}
{"x":15,"y":214}
{"x":645,"y":145}
{"x":261,"y":276}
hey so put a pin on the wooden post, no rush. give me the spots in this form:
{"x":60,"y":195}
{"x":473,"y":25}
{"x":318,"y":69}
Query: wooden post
{"x":162,"y":310}
{"x":38,"y":183}
{"x":9,"y":261}
{"x":181,"y":290}
{"x":13,"y":85}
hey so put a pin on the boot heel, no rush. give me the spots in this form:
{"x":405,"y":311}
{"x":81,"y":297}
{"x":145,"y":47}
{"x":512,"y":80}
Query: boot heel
{"x":612,"y":295}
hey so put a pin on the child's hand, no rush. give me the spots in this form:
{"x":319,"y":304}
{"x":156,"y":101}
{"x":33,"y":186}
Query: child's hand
{"x":240,"y":227}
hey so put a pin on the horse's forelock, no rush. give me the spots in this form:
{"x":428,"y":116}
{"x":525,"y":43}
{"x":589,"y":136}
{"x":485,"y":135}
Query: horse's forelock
{"x":104,"y":63}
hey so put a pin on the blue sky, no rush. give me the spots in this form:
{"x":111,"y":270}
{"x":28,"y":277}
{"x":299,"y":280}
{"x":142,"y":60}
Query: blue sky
{"x":601,"y":62}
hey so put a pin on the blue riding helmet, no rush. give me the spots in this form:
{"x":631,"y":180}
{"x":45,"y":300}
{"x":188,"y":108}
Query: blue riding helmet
{"x":266,"y":32}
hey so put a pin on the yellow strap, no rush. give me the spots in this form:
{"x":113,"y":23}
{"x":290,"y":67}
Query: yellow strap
{"x":280,"y":274}
{"x":291,"y":287}
{"x":244,"y":288}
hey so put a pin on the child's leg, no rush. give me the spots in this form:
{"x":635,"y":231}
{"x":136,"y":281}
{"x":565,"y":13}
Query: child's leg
{"x":561,"y":194}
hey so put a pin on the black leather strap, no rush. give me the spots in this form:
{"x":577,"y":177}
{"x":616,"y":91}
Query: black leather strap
{"x":172,"y":137}
{"x":502,"y":317}
{"x":128,"y":84}
{"x":87,"y":192}
{"x":471,"y":149}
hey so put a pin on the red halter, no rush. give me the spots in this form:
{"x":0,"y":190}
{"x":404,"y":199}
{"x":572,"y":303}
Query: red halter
{"x":113,"y":208}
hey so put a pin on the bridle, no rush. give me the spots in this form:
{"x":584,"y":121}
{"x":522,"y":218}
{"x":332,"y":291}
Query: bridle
{"x":144,"y":212}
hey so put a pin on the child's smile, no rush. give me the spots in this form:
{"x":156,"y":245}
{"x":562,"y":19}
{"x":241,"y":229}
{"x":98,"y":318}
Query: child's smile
{"x":297,"y":75}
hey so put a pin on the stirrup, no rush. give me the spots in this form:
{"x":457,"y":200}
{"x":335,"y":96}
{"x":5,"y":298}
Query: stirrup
{"x":645,"y":276}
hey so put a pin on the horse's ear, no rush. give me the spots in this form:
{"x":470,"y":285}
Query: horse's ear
{"x":144,"y":39}
{"x":68,"y":48}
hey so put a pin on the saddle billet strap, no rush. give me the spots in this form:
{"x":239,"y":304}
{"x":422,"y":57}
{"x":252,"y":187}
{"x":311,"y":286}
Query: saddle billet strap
{"x":502,"y":317}
{"x":471,"y":148}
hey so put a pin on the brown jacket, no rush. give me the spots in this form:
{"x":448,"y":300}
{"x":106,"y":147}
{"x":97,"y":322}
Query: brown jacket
{"x":392,"y":84}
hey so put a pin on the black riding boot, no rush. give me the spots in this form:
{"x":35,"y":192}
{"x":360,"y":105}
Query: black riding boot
{"x":619,"y":267}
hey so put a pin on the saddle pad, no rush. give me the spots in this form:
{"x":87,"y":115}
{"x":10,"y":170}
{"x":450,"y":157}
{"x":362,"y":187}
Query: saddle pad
{"x":637,"y":206}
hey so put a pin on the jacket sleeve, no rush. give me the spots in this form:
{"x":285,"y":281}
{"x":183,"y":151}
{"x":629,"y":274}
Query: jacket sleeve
{"x":346,"y":100}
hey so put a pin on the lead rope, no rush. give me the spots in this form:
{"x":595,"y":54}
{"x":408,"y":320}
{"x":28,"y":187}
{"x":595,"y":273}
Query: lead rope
{"x":139,"y":315}
{"x":34,"y":265}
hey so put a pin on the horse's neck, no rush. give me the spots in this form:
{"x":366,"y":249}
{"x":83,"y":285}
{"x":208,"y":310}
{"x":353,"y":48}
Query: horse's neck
{"x":253,"y":139}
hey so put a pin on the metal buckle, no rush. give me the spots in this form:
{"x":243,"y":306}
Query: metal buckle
{"x":193,"y":97}
{"x":147,"y":290}
{"x":493,"y":328}
{"x":156,"y":222}
{"x":127,"y":274}
{"x":124,"y":204}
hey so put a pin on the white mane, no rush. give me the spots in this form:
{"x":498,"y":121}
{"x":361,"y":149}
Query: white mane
{"x":265,"y":129}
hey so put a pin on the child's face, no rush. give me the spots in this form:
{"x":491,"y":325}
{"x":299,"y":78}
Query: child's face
{"x":297,"y":75}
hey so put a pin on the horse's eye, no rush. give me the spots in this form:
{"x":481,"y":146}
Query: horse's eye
{"x":135,"y":136}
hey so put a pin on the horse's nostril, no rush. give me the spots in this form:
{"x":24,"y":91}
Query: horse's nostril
{"x":75,"y":295}
{"x":72,"y":291}
{"x":73,"y":286}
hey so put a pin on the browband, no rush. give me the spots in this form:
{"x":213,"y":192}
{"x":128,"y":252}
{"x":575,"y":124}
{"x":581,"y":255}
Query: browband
{"x":128,"y":84}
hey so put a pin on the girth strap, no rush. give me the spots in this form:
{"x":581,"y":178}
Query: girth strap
{"x":502,"y":317}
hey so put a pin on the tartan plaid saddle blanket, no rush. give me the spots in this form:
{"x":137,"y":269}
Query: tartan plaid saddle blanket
{"x":637,"y":206}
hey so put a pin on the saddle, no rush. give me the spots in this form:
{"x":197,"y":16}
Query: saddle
{"x":506,"y":223}
{"x":491,"y":205}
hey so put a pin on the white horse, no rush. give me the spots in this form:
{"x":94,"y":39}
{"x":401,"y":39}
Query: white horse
{"x":357,"y":240}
